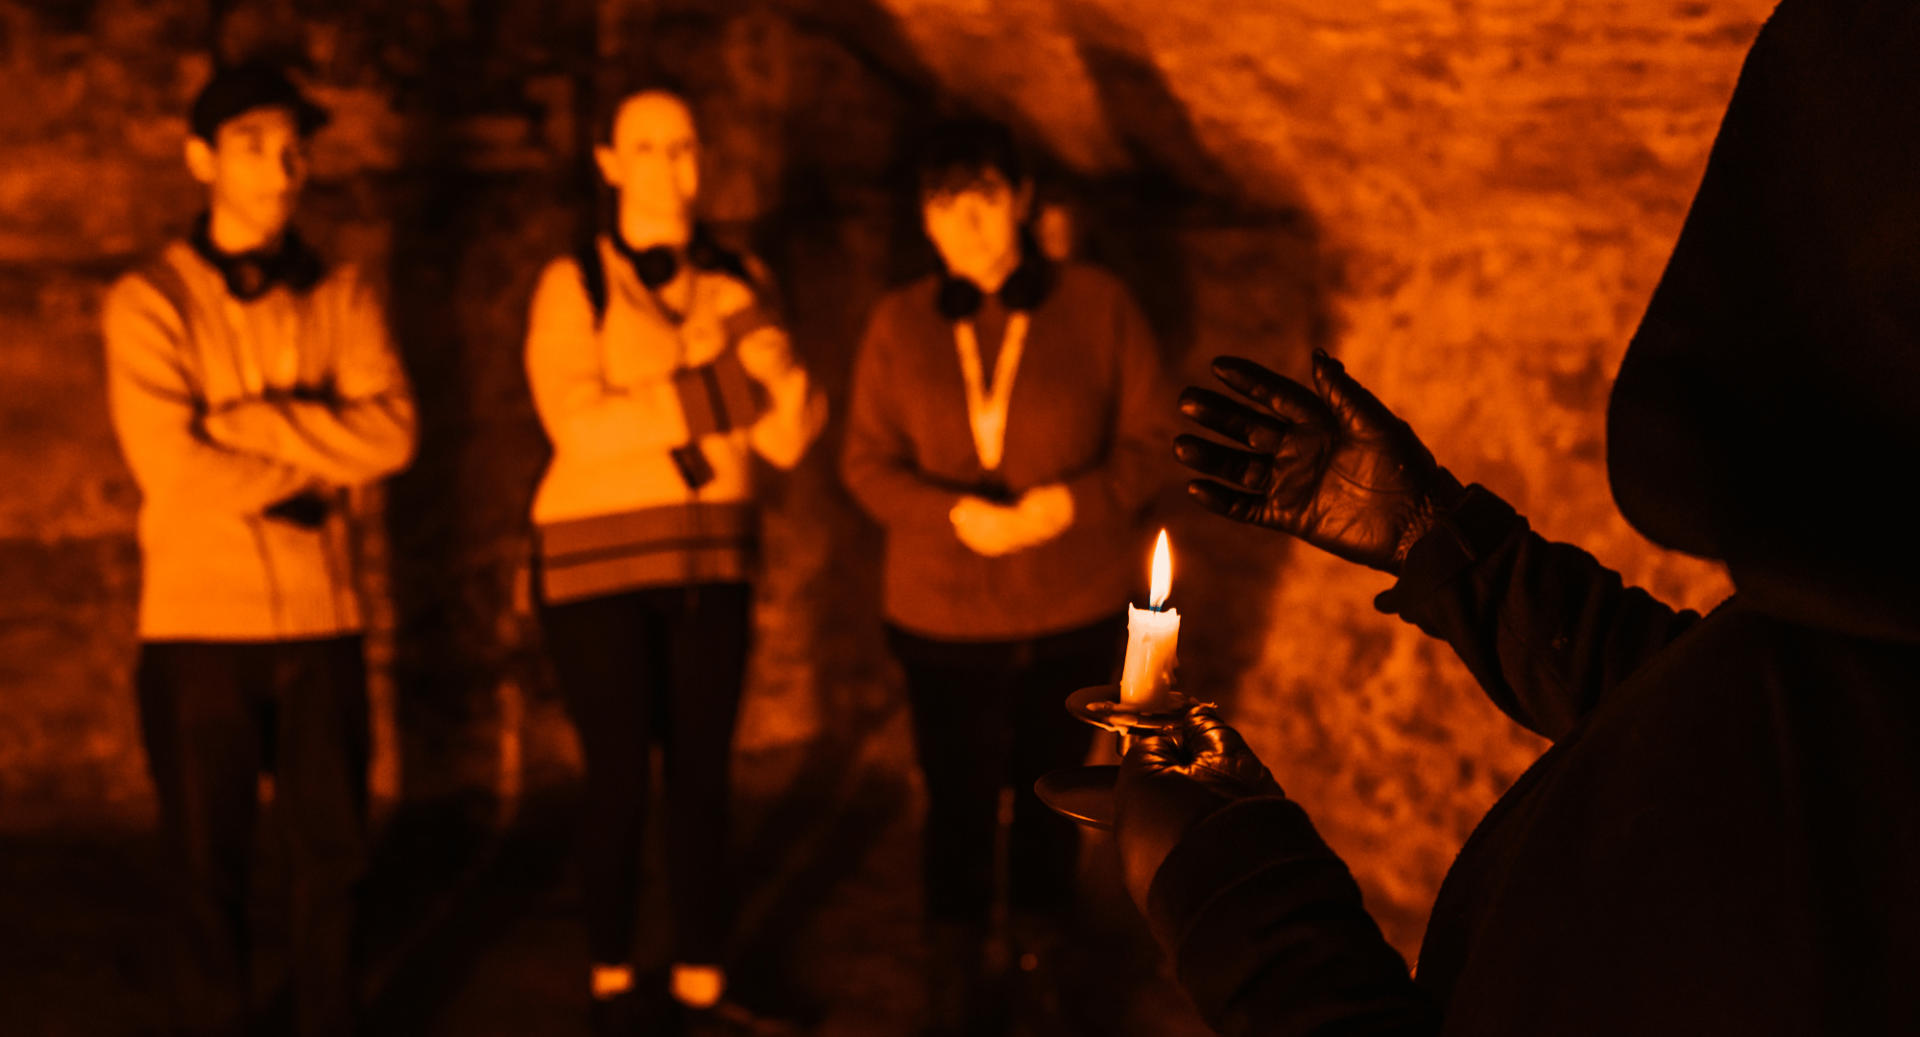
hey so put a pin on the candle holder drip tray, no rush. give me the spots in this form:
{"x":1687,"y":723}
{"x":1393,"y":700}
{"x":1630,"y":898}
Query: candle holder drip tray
{"x":1085,"y":794}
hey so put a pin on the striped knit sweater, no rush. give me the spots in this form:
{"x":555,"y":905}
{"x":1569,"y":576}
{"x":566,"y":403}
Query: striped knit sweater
{"x":620,"y":392}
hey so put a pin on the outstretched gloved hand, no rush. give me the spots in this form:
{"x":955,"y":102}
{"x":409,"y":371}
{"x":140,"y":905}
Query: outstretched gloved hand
{"x":1330,"y":465}
{"x":1170,"y":781}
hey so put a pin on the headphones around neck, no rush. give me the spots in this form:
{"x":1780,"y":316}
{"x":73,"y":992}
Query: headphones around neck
{"x":1024,"y":289}
{"x":250,"y":275}
{"x":660,"y":264}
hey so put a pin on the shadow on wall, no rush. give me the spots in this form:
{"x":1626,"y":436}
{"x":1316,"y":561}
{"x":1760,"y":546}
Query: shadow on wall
{"x":1216,"y":275}
{"x":487,"y":195}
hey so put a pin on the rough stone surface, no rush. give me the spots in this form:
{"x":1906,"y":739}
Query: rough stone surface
{"x":1469,"y":201}
{"x":90,"y":131}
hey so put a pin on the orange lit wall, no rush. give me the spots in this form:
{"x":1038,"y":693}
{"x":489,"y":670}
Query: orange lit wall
{"x":1467,"y":200}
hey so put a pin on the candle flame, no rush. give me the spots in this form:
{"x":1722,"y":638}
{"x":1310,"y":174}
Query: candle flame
{"x":1162,"y":572}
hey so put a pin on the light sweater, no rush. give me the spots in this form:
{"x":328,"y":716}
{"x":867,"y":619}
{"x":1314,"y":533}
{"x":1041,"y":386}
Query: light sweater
{"x":619,"y":394}
{"x":224,"y":408}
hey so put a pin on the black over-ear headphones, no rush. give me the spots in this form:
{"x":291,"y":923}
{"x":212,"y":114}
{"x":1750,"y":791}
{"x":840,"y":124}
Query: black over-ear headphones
{"x":1025,"y":288}
{"x":660,"y":264}
{"x":249,"y":275}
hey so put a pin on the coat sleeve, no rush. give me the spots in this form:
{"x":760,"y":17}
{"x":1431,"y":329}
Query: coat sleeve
{"x":160,"y":422}
{"x":584,"y":416}
{"x":1545,"y":628}
{"x":1138,"y":461}
{"x":877,"y":461}
{"x":361,"y":431}
{"x":1269,"y":937}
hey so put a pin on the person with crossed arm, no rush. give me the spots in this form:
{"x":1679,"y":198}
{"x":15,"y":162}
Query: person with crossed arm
{"x":660,"y":371}
{"x":252,"y":385}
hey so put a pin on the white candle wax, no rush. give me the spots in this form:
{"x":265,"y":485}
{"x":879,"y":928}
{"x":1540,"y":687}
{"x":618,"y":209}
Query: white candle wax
{"x":1152,"y":636}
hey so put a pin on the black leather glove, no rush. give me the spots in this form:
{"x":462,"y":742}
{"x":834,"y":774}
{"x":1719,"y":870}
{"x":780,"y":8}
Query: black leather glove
{"x":1330,"y":465}
{"x":1170,"y":781}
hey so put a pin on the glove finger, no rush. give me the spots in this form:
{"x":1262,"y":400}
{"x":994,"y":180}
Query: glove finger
{"x":1353,"y":406}
{"x":1247,"y":470}
{"x":1286,"y":398}
{"x":1233,"y":419}
{"x":1208,"y":751}
{"x":1220,"y":748}
{"x":1155,"y":751}
{"x":1235,"y":778}
{"x":1224,"y":500}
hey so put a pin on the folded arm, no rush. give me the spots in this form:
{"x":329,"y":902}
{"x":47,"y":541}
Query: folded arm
{"x":799,"y":409}
{"x":159,"y":422}
{"x":583,"y":415}
{"x":359,"y":429}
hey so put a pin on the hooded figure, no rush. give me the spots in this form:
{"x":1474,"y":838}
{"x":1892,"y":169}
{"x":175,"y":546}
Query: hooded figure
{"x":1725,"y":834}
{"x":1765,"y":413}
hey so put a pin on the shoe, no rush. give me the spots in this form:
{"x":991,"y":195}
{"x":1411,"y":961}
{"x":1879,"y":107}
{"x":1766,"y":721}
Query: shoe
{"x":733,"y":1019}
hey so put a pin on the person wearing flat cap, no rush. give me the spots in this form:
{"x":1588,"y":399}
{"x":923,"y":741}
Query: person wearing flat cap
{"x":252,"y":385}
{"x":1724,"y":837}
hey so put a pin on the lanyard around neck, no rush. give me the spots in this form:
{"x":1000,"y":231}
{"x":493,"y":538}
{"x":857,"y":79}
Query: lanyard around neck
{"x":987,"y":411}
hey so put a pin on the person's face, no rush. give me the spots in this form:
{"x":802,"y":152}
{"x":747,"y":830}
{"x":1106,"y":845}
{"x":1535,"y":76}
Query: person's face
{"x":254,"y":169}
{"x":654,"y":159}
{"x":977,"y":228}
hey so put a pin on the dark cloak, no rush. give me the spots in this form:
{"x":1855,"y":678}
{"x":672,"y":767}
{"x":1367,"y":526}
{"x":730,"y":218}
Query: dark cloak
{"x":1768,"y":412}
{"x":1725,"y":835}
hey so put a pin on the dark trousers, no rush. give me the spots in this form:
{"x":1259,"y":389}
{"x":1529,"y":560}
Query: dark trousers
{"x":217,"y":715}
{"x":659,"y":665}
{"x":988,"y":715}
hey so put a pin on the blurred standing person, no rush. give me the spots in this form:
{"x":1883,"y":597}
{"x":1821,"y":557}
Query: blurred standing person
{"x":251,"y":384}
{"x":1005,"y":432}
{"x":659,"y":369}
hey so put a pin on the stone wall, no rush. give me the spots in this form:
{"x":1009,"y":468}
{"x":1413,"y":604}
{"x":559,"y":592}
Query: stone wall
{"x":1467,"y":200}
{"x":89,"y":172}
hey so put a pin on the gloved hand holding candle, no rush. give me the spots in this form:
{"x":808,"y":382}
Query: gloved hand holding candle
{"x":1172,"y":779}
{"x":1145,"y":700}
{"x":1329,"y":464}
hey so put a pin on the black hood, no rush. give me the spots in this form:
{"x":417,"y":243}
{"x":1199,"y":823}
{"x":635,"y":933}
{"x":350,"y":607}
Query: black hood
{"x":1767,"y":413}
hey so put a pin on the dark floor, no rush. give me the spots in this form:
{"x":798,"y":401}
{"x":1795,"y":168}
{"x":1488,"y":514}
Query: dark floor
{"x":473,"y":927}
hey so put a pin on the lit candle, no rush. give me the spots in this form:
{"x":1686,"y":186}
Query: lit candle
{"x":1152,"y":634}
